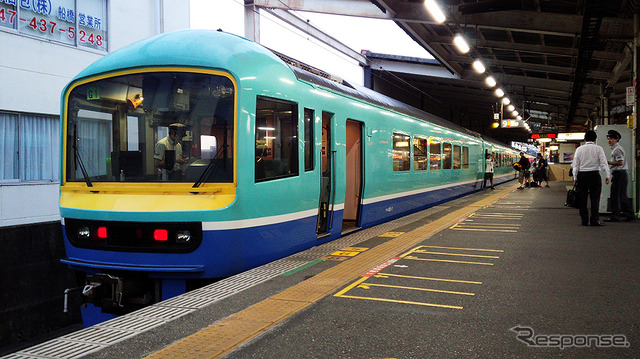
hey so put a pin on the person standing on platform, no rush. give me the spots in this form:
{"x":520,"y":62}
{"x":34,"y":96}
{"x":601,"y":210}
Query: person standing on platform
{"x":524,"y":168}
{"x":534,"y":173}
{"x":542,"y":170}
{"x":588,"y":160}
{"x":620,"y":203}
{"x":488,"y":170}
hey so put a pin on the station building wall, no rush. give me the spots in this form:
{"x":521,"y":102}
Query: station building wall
{"x":33,"y":72}
{"x":34,"y":68}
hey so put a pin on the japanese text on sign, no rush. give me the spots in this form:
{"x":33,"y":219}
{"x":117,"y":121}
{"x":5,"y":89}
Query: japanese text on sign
{"x":58,"y":20}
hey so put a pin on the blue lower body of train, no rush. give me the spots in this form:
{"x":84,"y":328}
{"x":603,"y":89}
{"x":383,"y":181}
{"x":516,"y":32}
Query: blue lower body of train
{"x":226,"y":250}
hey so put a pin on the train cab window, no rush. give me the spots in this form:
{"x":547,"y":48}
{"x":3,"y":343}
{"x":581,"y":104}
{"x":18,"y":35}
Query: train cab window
{"x":446,"y":156}
{"x":457,"y":157}
{"x":276,"y":139}
{"x":308,"y":139}
{"x":168,"y":126}
{"x":420,"y":154}
{"x":465,"y":157}
{"x":401,"y":155}
{"x":434,"y":155}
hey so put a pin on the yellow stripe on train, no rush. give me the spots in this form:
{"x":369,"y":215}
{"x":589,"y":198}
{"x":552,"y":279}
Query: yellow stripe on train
{"x":135,"y":198}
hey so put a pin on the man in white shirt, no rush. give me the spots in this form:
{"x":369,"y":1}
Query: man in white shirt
{"x":620,"y":203}
{"x":488,"y":170}
{"x":588,"y":160}
{"x":170,"y":143}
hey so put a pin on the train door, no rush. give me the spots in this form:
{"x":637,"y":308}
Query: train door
{"x":327,"y":193}
{"x":354,"y":176}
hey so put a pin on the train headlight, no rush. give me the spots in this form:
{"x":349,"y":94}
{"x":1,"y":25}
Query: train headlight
{"x":183,"y":236}
{"x":84,"y":233}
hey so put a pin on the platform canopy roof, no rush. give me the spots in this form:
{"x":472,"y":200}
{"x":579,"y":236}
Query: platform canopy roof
{"x":555,"y":59}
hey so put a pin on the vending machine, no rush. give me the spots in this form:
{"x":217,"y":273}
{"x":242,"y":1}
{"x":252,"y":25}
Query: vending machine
{"x":625,"y":142}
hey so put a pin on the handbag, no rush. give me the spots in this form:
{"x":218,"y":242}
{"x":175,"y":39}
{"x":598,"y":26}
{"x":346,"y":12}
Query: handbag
{"x":572,"y":198}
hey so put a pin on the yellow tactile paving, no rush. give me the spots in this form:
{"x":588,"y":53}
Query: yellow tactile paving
{"x":227,"y":334}
{"x":391,"y":234}
{"x":270,"y":310}
{"x":310,"y":290}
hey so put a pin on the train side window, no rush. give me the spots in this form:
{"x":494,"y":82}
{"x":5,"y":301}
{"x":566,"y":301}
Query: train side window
{"x":446,"y":156}
{"x":465,"y":157}
{"x":401,"y":154}
{"x":420,"y":154}
{"x":434,"y":155}
{"x":309,"y":114}
{"x":457,"y":157}
{"x":276,"y":139}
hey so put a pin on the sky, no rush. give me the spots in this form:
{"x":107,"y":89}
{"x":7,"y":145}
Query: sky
{"x":381,"y":36}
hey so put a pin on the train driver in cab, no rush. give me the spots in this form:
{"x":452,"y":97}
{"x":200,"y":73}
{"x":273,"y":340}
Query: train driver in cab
{"x":168,"y":153}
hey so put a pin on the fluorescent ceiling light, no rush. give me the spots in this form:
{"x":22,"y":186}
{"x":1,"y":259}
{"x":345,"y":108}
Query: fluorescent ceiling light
{"x":499,"y":92}
{"x":490,"y":81}
{"x":506,"y":101}
{"x":435,"y":11}
{"x":478,"y":66}
{"x":461,"y":44}
{"x":511,"y":108}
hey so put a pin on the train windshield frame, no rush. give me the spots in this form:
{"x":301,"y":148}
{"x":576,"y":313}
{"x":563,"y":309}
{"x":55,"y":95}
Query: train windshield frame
{"x":153,"y":125}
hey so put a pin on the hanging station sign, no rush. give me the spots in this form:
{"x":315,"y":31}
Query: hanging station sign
{"x":511,"y":124}
{"x":537,"y":136}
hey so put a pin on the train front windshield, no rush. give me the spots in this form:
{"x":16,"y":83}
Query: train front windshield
{"x":151,"y":127}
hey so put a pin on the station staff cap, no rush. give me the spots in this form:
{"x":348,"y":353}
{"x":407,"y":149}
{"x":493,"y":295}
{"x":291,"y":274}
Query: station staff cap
{"x":614,"y":134}
{"x":177,"y":127}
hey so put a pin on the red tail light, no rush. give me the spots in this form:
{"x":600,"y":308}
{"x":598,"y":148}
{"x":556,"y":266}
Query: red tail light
{"x":102,"y":232}
{"x":160,"y":235}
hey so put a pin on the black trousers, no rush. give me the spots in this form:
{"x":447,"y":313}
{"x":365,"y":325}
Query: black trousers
{"x":589,"y":186}
{"x":620,"y":203}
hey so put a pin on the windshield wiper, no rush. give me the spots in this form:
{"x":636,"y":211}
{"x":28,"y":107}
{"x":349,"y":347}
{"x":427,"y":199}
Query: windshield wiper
{"x":211,"y":166}
{"x":78,"y":159}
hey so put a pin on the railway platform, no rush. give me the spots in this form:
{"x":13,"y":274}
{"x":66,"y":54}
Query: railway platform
{"x":502,"y":273}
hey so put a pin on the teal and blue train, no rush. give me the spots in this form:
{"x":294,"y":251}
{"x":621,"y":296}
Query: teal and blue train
{"x":196,"y":155}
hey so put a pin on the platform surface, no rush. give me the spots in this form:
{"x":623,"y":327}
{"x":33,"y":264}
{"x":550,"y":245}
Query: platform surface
{"x":499,"y":274}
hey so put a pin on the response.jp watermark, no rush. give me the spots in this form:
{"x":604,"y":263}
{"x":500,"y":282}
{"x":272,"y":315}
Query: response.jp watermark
{"x":563,"y":341}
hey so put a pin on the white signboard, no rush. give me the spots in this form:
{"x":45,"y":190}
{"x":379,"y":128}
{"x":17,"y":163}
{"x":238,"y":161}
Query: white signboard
{"x":575,"y":136}
{"x":631,"y":96}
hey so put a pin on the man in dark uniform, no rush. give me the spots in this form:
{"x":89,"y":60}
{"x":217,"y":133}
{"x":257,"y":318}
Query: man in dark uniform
{"x":620,"y":203}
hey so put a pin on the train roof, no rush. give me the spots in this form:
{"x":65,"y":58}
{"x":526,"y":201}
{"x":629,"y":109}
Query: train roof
{"x":191,"y":48}
{"x":379,"y":99}
{"x":319,"y":78}
{"x":201,"y":48}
